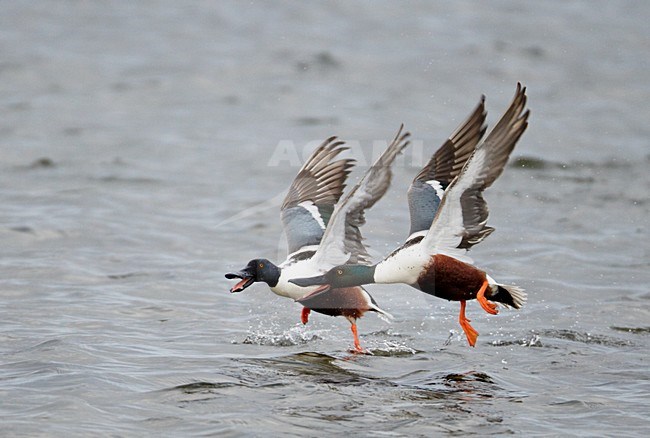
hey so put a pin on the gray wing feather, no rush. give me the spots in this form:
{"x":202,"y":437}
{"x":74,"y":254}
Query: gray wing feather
{"x":461,"y":219}
{"x":309,"y":204}
{"x":301,"y":228}
{"x":500,"y":143}
{"x":442,"y":168}
{"x":342,"y":241}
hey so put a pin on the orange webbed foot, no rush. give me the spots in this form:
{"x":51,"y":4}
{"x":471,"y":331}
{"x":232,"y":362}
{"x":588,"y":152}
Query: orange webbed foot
{"x":470,"y":333}
{"x":358,"y":349}
{"x":488,"y":306}
{"x":304,"y":316}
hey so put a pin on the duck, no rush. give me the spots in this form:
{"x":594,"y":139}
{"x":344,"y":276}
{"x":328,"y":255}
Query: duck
{"x":435,"y":260}
{"x":306,"y":213}
{"x":304,"y":242}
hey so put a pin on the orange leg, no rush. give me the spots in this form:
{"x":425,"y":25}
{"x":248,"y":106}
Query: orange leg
{"x":357,"y":344}
{"x":304,"y":316}
{"x":488,"y":306}
{"x":470,"y":333}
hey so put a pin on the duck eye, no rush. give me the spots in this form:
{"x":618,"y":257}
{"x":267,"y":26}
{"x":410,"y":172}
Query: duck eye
{"x":261,"y":265}
{"x":339,"y":271}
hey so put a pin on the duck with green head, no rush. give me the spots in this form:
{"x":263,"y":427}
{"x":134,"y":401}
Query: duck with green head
{"x":435,"y":260}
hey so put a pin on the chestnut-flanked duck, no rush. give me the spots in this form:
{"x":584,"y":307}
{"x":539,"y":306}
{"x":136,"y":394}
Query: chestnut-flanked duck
{"x":307,"y":212}
{"x":435,"y":261}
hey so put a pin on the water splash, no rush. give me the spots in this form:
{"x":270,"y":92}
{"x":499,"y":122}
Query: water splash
{"x":294,"y":336}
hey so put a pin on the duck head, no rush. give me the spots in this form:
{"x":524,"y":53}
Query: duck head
{"x":340,"y":277}
{"x":255,"y":270}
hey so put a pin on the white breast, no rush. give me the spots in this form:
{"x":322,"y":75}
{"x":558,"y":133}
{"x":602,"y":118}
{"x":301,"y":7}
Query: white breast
{"x":403,"y":267}
{"x":301,"y":269}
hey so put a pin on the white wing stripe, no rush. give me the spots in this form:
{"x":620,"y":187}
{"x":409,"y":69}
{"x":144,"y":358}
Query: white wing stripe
{"x":437,"y":187}
{"x":313,"y":210}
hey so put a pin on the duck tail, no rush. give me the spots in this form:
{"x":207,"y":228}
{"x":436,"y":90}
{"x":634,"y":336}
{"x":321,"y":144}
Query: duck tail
{"x":512,"y":296}
{"x":383,"y":314}
{"x":375,"y":307}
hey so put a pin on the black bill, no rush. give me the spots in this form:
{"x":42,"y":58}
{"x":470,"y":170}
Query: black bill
{"x":246,"y":280}
{"x":310,"y":281}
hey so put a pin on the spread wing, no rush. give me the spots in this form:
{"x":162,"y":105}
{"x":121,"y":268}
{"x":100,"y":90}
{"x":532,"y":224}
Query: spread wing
{"x":461,"y":219}
{"x":342,"y":241}
{"x":428,"y":187}
{"x":309,"y":204}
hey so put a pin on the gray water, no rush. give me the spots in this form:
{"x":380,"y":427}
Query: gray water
{"x":144,"y":150}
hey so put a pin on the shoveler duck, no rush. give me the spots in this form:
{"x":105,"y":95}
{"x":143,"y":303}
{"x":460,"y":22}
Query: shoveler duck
{"x":435,"y":261}
{"x":306,"y":214}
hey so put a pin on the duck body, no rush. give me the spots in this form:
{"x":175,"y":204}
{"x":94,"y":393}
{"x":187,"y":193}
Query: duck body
{"x":440,"y":275}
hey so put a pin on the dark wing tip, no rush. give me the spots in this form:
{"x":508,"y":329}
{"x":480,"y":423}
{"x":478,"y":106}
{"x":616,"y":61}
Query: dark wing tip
{"x":498,"y":146}
{"x":321,"y":180}
{"x":447,"y":162}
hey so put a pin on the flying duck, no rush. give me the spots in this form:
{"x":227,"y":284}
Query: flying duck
{"x":306,"y":214}
{"x":435,"y":260}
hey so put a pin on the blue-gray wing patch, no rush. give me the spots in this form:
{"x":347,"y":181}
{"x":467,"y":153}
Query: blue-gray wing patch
{"x":308,"y":206}
{"x":423,"y":201}
{"x":304,"y":224}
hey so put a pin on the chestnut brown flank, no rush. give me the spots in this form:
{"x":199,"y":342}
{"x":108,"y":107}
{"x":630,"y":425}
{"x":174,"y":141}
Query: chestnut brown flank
{"x":451,"y":279}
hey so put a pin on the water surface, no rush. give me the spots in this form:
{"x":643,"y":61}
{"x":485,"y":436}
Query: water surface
{"x":144,"y":150}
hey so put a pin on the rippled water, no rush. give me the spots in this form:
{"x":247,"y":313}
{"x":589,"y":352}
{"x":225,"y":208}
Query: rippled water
{"x":144,"y":149}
